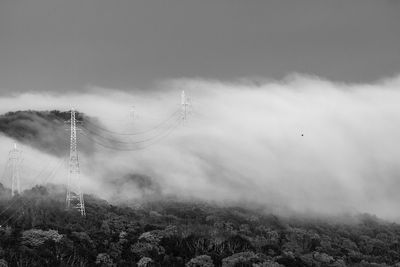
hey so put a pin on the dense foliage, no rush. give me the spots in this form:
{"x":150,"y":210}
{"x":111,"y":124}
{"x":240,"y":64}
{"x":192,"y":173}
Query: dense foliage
{"x":36,"y":230}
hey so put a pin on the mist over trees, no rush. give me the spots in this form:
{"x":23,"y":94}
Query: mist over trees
{"x":285,"y":143}
{"x":36,"y":230}
{"x":43,"y":130}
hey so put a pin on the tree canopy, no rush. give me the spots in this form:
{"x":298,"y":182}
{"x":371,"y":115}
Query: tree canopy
{"x":36,"y":230}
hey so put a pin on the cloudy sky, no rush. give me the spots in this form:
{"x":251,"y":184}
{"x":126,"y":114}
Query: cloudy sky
{"x":69,"y":45}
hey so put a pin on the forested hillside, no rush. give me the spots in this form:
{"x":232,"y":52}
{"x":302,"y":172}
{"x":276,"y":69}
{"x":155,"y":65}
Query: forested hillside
{"x":36,"y":230}
{"x":44,"y":130}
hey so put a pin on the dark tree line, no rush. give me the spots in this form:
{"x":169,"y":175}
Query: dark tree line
{"x":36,"y":230}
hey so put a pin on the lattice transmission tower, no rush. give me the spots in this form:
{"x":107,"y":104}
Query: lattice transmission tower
{"x":14,"y":162}
{"x":74,"y":193}
{"x":184,"y":106}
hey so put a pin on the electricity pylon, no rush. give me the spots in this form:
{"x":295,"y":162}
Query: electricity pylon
{"x":184,"y":106}
{"x":74,"y":193}
{"x":15,"y":162}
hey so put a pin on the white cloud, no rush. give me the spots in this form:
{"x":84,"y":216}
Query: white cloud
{"x":303,"y":143}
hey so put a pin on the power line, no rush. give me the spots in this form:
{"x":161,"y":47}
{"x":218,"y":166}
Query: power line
{"x":101,"y":137}
{"x":51,"y":175}
{"x":157,"y":126}
{"x":10,"y":217}
{"x":113,"y":139}
{"x":137,"y":147}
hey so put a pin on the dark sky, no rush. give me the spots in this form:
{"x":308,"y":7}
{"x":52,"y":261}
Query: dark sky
{"x":65,"y":45}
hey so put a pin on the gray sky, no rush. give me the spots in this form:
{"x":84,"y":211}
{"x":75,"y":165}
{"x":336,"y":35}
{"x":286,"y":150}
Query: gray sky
{"x":58,"y":45}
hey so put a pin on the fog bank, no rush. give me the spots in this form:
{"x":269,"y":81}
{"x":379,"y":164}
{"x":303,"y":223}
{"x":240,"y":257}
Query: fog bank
{"x":301,"y":144}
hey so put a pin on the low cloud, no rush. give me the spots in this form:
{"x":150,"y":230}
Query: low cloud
{"x":301,"y":144}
